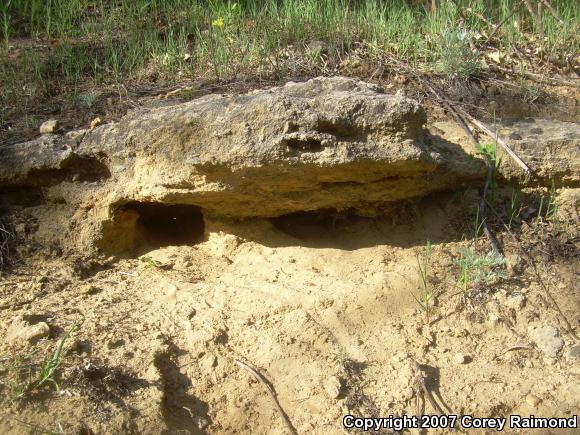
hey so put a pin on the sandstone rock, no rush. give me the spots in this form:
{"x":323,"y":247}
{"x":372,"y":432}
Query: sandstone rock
{"x":22,"y":331}
{"x":550,"y":148}
{"x":574,"y":352}
{"x":49,"y":127}
{"x":460,"y":358}
{"x":514,"y":264}
{"x":547,"y":339}
{"x":533,"y":400}
{"x":95,"y":123}
{"x":329,"y":143}
{"x":332,"y":387}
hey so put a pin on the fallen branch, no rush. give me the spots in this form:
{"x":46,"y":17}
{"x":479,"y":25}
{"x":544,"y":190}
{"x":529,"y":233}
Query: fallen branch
{"x":488,"y":163}
{"x":537,"y":77}
{"x":499,"y":140}
{"x":532,"y":263}
{"x":270,"y":391}
{"x":502,"y":22}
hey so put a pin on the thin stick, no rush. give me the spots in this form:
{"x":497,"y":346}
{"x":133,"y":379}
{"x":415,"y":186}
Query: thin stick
{"x":552,"y":11}
{"x":537,"y":77}
{"x":489,"y":165}
{"x":499,"y":140}
{"x":422,"y":386}
{"x":526,"y":254}
{"x":502,"y":22}
{"x":270,"y":391}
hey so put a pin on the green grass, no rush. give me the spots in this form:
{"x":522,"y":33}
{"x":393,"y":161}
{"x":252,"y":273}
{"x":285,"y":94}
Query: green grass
{"x":51,"y":47}
{"x":425,"y":300}
{"x":549,"y":205}
{"x":477,"y":269}
{"x":22,"y":376}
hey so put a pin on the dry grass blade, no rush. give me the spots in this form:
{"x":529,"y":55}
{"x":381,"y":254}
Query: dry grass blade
{"x":552,"y":11}
{"x":6,"y":239}
{"x":270,"y":391}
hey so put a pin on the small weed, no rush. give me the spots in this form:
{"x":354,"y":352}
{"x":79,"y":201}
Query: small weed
{"x":88,"y":99}
{"x":457,"y":60}
{"x":425,"y":301}
{"x":549,"y":206}
{"x":150,"y":262}
{"x":490,"y":150}
{"x":514,"y":207}
{"x":23,"y":376}
{"x":477,"y":269}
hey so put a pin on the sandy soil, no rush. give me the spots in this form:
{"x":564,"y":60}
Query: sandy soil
{"x":323,"y":307}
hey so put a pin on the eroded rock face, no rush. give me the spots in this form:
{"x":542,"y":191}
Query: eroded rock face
{"x":326,"y":143}
{"x":550,"y":148}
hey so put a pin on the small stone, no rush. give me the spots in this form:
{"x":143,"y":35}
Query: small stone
{"x":460,"y":358}
{"x":49,"y":127}
{"x":90,"y":289}
{"x":333,"y":387}
{"x":514,"y":264}
{"x":209,"y":362}
{"x":533,"y":400}
{"x":516,"y":301}
{"x":201,"y":422}
{"x":317,"y":49}
{"x":21,"y":331}
{"x":574,"y":352}
{"x":547,"y":339}
{"x":96,"y":122}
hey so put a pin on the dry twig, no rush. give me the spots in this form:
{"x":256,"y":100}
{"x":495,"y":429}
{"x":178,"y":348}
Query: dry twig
{"x":489,"y":165}
{"x":552,"y":11}
{"x":422,"y":390}
{"x":537,"y":77}
{"x":499,"y":140}
{"x":270,"y":391}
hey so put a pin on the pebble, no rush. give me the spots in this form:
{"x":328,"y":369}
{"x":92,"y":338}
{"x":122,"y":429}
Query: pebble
{"x":332,"y":386}
{"x":21,"y":331}
{"x":49,"y":127}
{"x":96,"y":122}
{"x":516,"y":301}
{"x":460,"y":358}
{"x":533,"y":400}
{"x":547,"y":339}
{"x":574,"y":352}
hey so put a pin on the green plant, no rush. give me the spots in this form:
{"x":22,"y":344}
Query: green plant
{"x":477,"y":269}
{"x":150,"y":262}
{"x":514,"y":206}
{"x":549,"y":206}
{"x":490,"y":151}
{"x":457,"y":60}
{"x":425,"y":301}
{"x":23,"y":376}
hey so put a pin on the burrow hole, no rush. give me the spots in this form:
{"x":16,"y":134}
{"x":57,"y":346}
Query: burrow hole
{"x":159,"y":225}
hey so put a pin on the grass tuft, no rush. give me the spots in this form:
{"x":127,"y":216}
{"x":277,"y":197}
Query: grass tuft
{"x":23,"y":377}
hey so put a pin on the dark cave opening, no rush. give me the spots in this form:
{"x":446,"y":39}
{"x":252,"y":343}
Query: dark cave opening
{"x":161,"y":225}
